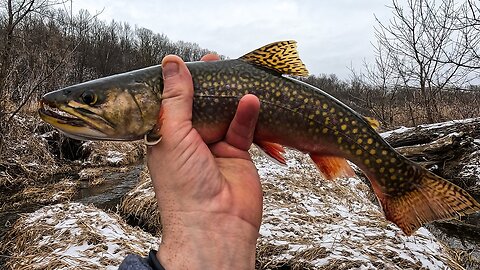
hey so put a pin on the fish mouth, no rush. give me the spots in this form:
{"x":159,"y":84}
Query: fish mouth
{"x":76,"y":123}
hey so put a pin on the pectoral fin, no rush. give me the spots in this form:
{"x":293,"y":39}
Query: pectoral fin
{"x":273,"y":150}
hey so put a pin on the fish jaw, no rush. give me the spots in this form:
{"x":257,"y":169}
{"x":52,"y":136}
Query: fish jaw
{"x":122,"y":107}
{"x":72,"y":125}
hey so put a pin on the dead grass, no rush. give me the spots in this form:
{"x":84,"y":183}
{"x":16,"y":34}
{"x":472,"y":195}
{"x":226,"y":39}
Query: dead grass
{"x":343,"y":226}
{"x":105,"y":153}
{"x":25,"y":157}
{"x":140,"y":204}
{"x":72,"y":236}
{"x":50,"y":193}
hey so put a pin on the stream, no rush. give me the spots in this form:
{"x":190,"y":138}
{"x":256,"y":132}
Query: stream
{"x":106,"y":196}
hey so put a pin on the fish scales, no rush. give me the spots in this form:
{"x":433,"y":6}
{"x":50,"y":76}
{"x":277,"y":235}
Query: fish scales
{"x":292,"y":113}
{"x":293,"y":109}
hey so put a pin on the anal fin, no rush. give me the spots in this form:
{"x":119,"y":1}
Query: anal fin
{"x":332,"y":167}
{"x":273,"y":150}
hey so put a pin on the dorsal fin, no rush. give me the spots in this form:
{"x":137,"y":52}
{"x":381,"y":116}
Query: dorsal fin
{"x":374,"y":123}
{"x":279,"y":56}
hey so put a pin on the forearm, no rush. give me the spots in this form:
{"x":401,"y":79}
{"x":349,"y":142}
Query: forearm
{"x":209,"y":245}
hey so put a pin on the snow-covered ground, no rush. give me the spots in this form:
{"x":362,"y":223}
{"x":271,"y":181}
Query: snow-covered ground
{"x":313,"y":223}
{"x":308,"y":223}
{"x":75,"y":236}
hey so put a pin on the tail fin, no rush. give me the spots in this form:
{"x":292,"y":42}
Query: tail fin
{"x":432,"y":198}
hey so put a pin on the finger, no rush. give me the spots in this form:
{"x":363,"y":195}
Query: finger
{"x":177,"y":96}
{"x":210,"y":57}
{"x":242,"y":128}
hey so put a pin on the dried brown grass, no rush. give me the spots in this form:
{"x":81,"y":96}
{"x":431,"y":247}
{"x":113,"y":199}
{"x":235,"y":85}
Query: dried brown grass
{"x":25,"y":157}
{"x":297,"y":246}
{"x":140,"y":204}
{"x":72,"y":236}
{"x":115,"y":154}
{"x":46,"y":194}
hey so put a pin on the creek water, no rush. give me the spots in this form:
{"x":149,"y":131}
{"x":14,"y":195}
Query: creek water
{"x":106,"y":196}
{"x":109,"y":193}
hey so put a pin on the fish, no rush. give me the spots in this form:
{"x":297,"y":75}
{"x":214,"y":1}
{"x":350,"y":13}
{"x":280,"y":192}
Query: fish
{"x":294,"y":114}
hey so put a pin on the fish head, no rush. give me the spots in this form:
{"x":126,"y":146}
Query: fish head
{"x":122,"y":107}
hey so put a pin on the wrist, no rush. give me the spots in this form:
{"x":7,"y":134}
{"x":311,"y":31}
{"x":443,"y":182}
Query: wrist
{"x":208,"y":246}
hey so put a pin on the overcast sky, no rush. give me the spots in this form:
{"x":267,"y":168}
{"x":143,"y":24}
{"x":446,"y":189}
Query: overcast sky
{"x":332,"y":36}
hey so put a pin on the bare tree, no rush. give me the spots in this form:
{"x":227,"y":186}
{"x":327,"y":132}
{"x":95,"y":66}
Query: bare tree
{"x":425,"y":49}
{"x":15,"y":12}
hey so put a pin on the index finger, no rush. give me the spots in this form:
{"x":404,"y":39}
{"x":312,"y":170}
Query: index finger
{"x":210,"y":57}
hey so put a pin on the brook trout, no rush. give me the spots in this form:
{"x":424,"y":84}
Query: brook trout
{"x":293,"y":113}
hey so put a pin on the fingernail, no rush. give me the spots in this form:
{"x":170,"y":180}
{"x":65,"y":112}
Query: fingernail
{"x":170,"y":69}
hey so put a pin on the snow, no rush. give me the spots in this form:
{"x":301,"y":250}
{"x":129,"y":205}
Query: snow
{"x":334,"y":221}
{"x":308,"y":222}
{"x":447,"y":123}
{"x":395,"y":131}
{"x":82,"y":236}
{"x":115,"y":157}
{"x":403,"y":129}
{"x":472,"y":168}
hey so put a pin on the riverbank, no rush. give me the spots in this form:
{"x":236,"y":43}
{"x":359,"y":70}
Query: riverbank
{"x":308,"y":222}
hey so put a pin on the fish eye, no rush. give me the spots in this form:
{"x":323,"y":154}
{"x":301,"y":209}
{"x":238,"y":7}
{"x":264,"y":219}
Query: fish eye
{"x":89,"y":98}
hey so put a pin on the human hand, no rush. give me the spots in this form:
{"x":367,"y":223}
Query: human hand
{"x":209,"y":196}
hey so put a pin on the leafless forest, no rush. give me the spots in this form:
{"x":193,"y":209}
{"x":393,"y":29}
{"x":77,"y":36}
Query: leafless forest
{"x":426,"y":69}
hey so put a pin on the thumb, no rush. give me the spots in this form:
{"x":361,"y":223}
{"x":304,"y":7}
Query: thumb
{"x":177,"y":96}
